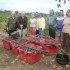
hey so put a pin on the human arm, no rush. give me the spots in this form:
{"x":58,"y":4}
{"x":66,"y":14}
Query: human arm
{"x":43,"y":23}
{"x":37,"y":24}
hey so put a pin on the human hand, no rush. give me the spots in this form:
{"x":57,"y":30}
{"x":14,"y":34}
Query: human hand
{"x":54,"y":25}
{"x":7,"y":28}
{"x":21,"y":26}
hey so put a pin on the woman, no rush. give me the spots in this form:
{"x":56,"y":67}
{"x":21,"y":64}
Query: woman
{"x":66,"y":32}
{"x":41,"y":24}
{"x":51,"y":20}
{"x":60,"y":19}
{"x":32,"y":27}
{"x":11,"y":24}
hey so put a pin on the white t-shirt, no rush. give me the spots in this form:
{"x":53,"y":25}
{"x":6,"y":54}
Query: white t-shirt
{"x":33,"y":22}
{"x":60,"y":18}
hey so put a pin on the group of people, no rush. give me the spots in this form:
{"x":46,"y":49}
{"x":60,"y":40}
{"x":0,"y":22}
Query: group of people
{"x":17,"y":23}
{"x":37,"y":23}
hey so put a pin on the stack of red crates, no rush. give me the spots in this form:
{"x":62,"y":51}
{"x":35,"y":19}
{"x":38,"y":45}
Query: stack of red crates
{"x":40,"y":42}
{"x":48,"y":43}
{"x":30,"y":57}
{"x":16,"y":44}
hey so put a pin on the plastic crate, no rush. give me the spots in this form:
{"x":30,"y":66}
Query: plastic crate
{"x":29,"y":57}
{"x":51,"y":49}
{"x":42,"y":40}
{"x":7,"y":44}
{"x":14,"y":48}
{"x":16,"y":44}
{"x":34,"y":44}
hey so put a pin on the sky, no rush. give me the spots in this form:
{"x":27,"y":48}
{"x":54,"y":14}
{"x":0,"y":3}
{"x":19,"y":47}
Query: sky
{"x":32,"y":5}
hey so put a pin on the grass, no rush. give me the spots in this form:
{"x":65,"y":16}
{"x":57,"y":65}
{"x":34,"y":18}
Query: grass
{"x":1,"y":48}
{"x":4,"y":16}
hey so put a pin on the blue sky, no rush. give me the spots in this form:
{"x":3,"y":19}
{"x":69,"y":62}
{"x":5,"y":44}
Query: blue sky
{"x":31,"y":5}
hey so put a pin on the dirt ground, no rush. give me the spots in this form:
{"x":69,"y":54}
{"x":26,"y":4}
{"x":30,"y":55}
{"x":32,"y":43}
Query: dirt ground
{"x":11,"y":61}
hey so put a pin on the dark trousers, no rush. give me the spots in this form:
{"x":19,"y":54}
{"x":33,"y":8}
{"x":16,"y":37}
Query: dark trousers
{"x":52,"y":31}
{"x":37,"y":32}
{"x":10,"y":31}
{"x":66,"y":41}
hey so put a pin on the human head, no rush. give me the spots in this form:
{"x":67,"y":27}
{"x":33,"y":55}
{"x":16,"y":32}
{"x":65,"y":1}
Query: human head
{"x":33,"y":15}
{"x":68,"y":13}
{"x":61,"y":13}
{"x":37,"y":14}
{"x":22,"y":13}
{"x":51,"y":12}
{"x":40,"y":15}
{"x":13,"y":13}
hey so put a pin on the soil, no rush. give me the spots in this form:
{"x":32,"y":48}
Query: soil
{"x":11,"y":61}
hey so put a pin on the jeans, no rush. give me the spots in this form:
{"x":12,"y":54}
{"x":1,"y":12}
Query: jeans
{"x":22,"y":32}
{"x":41,"y":31}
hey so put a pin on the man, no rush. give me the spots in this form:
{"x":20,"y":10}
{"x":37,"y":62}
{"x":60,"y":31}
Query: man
{"x":11,"y":24}
{"x":51,"y":20}
{"x":22,"y":24}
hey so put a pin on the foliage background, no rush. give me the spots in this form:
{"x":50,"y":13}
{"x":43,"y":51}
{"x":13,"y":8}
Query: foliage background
{"x":4,"y":15}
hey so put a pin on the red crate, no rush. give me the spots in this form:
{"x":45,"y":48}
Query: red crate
{"x":29,"y":57}
{"x":7,"y":44}
{"x":51,"y":49}
{"x":46,"y":37}
{"x":34,"y":44}
{"x":42,"y":40}
{"x":14,"y":48}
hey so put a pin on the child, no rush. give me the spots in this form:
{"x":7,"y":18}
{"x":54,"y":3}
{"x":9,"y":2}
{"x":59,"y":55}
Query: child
{"x":41,"y":24}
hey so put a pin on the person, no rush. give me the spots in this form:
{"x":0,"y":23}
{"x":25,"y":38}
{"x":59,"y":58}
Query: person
{"x":51,"y":20}
{"x":60,"y":19}
{"x":22,"y":24}
{"x":41,"y":24}
{"x":11,"y":23}
{"x":32,"y":26}
{"x":36,"y":16}
{"x":66,"y":31}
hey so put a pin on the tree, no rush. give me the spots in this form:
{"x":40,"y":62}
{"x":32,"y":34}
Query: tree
{"x":64,"y":1}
